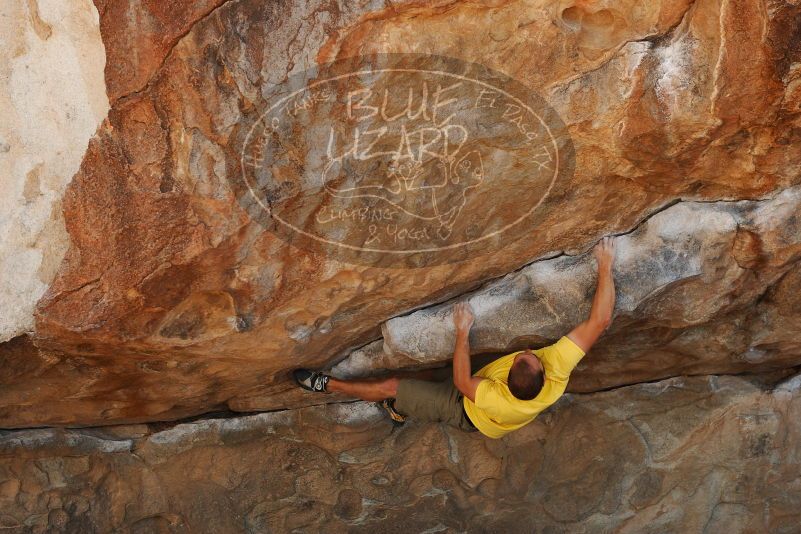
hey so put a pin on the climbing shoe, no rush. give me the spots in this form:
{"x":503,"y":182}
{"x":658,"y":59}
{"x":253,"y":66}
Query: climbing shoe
{"x":389,"y":406}
{"x":311,"y":380}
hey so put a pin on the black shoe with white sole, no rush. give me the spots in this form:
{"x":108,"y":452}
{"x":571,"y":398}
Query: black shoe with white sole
{"x":311,"y":380}
{"x":397,"y":417}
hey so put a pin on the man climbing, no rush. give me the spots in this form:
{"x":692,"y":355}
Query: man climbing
{"x":504,"y":395}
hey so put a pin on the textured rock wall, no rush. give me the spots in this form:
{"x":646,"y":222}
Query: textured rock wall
{"x":52,"y":99}
{"x":173,"y":300}
{"x":702,"y":288}
{"x":713,"y":454}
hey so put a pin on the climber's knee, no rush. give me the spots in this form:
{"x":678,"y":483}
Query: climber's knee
{"x":390,"y":388}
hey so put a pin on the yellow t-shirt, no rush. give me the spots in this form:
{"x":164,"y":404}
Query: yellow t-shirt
{"x":497,"y":412}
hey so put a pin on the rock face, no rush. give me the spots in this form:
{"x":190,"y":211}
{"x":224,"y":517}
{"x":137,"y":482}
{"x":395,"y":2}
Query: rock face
{"x":281,"y":183}
{"x":710,"y":277}
{"x":719,"y":454}
{"x":52,"y":99}
{"x":174,"y":299}
{"x":140,"y":34}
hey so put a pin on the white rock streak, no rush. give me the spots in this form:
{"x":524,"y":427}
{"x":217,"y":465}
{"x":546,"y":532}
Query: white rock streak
{"x":52,"y":99}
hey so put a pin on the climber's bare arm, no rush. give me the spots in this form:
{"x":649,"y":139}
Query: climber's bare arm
{"x":463,"y":379}
{"x":603,"y":304}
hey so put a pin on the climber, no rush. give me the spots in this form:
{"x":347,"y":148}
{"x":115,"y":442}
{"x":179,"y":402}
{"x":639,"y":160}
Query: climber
{"x":504,"y":395}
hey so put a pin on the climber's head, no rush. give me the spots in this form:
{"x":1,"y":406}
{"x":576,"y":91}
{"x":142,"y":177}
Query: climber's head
{"x":526,"y":377}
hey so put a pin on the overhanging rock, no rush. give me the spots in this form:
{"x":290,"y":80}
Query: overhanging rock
{"x":687,"y":269}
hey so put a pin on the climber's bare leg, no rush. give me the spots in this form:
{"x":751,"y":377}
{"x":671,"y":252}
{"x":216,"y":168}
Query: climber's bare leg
{"x":368,"y":389}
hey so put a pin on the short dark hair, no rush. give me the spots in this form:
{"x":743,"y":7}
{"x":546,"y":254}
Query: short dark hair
{"x":524,"y":381}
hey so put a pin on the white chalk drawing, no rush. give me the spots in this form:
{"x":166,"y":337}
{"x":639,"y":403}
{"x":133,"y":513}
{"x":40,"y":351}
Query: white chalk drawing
{"x":397,"y":180}
{"x":419,"y":184}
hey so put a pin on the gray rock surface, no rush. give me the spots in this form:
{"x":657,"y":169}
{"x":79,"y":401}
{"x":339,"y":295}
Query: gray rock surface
{"x":714,"y":454}
{"x":681,"y":270}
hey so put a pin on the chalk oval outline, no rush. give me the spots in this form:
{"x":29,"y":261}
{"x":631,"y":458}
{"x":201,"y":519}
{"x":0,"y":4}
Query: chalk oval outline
{"x":287,"y":224}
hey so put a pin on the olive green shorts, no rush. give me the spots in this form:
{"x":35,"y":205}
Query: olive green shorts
{"x":436,"y":402}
